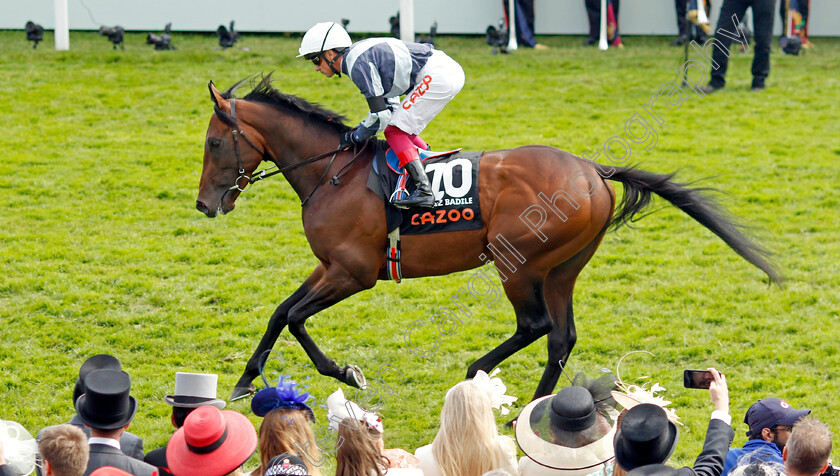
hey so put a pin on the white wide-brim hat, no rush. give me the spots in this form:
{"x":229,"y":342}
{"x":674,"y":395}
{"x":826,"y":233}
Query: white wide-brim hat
{"x":571,"y":461}
{"x":195,"y":390}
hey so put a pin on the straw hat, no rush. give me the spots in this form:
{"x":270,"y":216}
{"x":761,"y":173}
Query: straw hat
{"x":573,"y":409}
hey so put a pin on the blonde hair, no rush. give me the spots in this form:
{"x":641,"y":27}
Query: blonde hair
{"x":467,"y":443}
{"x":808,"y":447}
{"x":66,"y":448}
{"x":279,"y":430}
{"x":359,"y":453}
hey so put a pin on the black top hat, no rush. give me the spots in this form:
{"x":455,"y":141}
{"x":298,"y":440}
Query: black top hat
{"x":96,"y":362}
{"x":572,"y":409}
{"x":106,"y":404}
{"x":646,"y":437}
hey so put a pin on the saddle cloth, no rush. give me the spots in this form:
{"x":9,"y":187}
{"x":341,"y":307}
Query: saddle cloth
{"x":454,"y":179}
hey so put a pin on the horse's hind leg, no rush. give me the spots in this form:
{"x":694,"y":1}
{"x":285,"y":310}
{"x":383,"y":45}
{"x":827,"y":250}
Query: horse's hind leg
{"x":559,"y":287}
{"x":525,"y":292}
{"x":276,"y":324}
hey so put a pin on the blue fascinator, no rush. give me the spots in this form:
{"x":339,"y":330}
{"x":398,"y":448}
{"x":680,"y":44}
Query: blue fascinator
{"x":284,"y":395}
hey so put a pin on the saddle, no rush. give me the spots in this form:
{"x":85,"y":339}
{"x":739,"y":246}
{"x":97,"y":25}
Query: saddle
{"x":454,"y":179}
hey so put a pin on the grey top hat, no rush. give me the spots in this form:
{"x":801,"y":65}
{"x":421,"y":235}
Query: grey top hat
{"x":106,"y":404}
{"x":195,"y":390}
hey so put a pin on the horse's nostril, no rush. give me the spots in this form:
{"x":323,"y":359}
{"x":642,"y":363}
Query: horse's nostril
{"x":201,"y":206}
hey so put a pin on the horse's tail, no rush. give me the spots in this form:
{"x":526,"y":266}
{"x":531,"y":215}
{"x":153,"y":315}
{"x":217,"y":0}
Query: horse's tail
{"x":638,"y":186}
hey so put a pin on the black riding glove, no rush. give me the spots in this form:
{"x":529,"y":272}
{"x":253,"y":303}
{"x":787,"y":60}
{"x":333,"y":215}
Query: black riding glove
{"x":349,"y":139}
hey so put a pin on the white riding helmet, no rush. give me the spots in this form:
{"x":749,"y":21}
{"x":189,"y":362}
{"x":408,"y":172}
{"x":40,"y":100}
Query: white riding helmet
{"x":323,"y":37}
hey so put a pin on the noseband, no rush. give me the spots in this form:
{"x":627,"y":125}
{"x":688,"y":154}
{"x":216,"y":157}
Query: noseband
{"x":266,"y":156}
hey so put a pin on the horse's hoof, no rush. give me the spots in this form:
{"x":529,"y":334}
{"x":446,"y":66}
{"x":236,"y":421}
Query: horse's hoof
{"x":354,"y":377}
{"x":241,"y":392}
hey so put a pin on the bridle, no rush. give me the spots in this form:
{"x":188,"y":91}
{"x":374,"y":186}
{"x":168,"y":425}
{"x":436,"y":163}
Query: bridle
{"x":266,"y":156}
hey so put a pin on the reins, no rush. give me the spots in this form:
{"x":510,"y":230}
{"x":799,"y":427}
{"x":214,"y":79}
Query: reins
{"x":264,"y":174}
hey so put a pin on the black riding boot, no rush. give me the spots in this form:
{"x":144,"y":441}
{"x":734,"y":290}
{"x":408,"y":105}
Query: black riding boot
{"x":422,"y":196}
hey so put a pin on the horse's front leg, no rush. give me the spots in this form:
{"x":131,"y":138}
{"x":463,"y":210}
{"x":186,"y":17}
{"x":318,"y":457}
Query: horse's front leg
{"x":276,"y":324}
{"x":336,"y":284}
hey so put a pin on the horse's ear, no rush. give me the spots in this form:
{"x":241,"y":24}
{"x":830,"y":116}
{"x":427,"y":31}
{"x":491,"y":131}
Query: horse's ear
{"x":222,"y":103}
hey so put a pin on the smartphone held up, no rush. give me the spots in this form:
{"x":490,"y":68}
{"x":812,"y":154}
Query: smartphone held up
{"x":698,"y":379}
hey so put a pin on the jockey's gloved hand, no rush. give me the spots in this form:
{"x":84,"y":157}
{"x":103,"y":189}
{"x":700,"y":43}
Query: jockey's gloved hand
{"x":349,"y":139}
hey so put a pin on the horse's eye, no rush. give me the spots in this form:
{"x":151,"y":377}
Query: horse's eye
{"x":215,"y":143}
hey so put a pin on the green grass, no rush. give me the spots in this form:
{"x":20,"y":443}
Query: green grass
{"x":103,"y":251}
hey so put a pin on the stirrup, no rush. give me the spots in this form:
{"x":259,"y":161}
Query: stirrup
{"x":432,"y":205}
{"x":391,"y":198}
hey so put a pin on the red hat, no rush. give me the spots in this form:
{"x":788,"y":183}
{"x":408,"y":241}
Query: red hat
{"x":211,"y":443}
{"x":109,"y":471}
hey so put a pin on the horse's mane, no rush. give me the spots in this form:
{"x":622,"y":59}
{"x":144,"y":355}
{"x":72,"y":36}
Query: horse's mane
{"x":263,"y":92}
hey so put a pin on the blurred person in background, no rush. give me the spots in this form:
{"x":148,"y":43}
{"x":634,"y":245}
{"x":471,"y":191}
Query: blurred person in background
{"x":593,"y":13}
{"x":727,"y":30}
{"x":524,"y":21}
{"x":685,"y":15}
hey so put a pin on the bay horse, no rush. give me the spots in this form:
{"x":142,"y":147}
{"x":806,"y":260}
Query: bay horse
{"x":554,"y":237}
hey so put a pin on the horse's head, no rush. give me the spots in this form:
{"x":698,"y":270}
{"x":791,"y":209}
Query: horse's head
{"x":230,"y":157}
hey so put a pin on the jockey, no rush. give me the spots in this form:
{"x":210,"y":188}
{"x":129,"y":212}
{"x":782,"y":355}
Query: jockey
{"x":385,"y":69}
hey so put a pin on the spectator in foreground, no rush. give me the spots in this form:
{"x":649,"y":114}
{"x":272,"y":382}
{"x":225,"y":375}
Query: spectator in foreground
{"x":646,"y":438}
{"x":770,"y":422}
{"x":212,"y":442}
{"x":17,"y":449}
{"x":758,"y":469}
{"x":468,"y":442}
{"x":286,"y":423}
{"x":107,"y":408}
{"x":286,"y":464}
{"x":64,"y":451}
{"x":808,"y":449}
{"x":191,"y":391}
{"x":109,"y":471}
{"x":130,"y":444}
{"x":569,"y":434}
{"x":362,"y":450}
